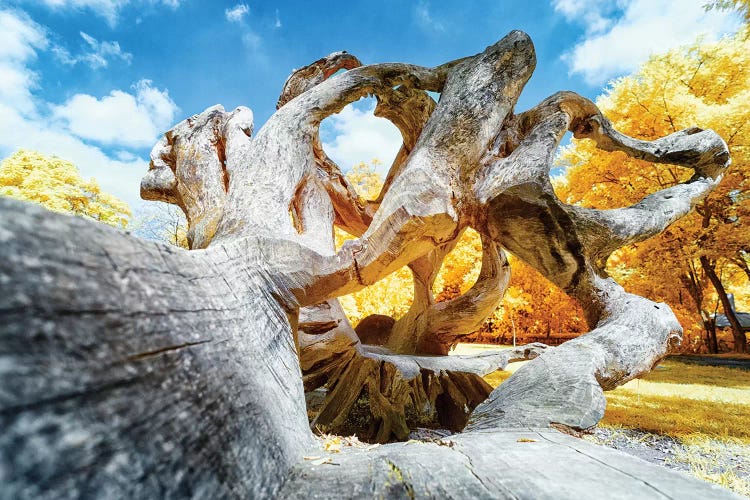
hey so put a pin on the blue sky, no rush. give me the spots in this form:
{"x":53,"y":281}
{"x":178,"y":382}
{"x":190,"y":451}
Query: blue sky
{"x":97,"y":81}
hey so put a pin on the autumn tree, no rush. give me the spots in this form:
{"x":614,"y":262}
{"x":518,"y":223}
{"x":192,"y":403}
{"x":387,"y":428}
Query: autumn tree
{"x":708,"y":84}
{"x":57,"y":185}
{"x":741,"y":6}
{"x":533,"y":310}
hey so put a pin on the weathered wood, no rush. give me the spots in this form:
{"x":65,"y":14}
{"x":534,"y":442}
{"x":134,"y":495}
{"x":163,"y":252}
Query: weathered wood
{"x":112,"y":388}
{"x":522,"y":464}
{"x":131,"y":369}
{"x":190,"y":168}
{"x":570,"y":245}
{"x":398,"y":389}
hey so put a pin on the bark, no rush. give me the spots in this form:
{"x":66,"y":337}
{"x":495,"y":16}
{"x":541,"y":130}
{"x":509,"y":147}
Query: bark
{"x":434,"y":328}
{"x":713,"y":343}
{"x":398,"y":392}
{"x":740,"y":341}
{"x":194,"y":160}
{"x":143,"y":370}
{"x":138,"y":370}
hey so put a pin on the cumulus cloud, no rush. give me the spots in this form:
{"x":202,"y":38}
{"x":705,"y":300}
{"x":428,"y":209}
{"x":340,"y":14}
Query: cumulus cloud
{"x":20,"y":38}
{"x":97,"y":54}
{"x":70,"y":128}
{"x":250,"y":38}
{"x":120,"y":118}
{"x":359,"y":136}
{"x":118,"y":176}
{"x":595,"y":15}
{"x":237,"y":13}
{"x":622,"y":35}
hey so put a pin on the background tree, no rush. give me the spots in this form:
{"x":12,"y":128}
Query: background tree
{"x":741,"y":6}
{"x":161,"y":222}
{"x":57,"y":185}
{"x":707,"y":84}
{"x":533,"y":310}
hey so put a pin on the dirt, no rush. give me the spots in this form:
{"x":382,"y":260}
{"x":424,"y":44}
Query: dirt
{"x":673,"y":454}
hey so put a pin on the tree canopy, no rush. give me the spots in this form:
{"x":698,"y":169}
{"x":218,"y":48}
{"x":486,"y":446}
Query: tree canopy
{"x":57,"y":185}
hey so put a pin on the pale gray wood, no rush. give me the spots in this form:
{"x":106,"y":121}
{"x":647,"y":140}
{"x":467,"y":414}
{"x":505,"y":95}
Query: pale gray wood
{"x":523,"y":464}
{"x":192,"y":167}
{"x":112,"y":388}
{"x":132,"y":369}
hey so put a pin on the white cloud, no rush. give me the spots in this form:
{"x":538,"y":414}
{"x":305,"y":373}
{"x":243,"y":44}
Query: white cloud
{"x":277,"y":23}
{"x":108,"y":9}
{"x":248,"y":34}
{"x":595,"y":15}
{"x":237,"y":13}
{"x":24,"y":122}
{"x":119,"y":118}
{"x":424,"y":18}
{"x":622,"y":36}
{"x":115,"y":176}
{"x":20,"y":38}
{"x":360,"y":136}
{"x":97,"y":54}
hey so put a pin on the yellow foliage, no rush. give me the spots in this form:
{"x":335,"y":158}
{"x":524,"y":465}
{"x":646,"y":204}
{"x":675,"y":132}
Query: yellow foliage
{"x":366,"y":181}
{"x":57,"y":185}
{"x":705,"y":85}
{"x":533,"y":309}
{"x":460,"y":268}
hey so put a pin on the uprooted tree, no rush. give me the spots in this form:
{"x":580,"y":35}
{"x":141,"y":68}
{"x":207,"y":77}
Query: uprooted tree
{"x":133,"y":367}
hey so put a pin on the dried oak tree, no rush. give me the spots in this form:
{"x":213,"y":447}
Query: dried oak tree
{"x":131,"y":368}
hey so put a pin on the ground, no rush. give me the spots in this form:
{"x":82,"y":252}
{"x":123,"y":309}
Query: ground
{"x":682,"y":415}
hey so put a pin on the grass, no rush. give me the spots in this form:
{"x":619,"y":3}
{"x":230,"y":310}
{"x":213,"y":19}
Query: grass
{"x":706,"y":409}
{"x":686,"y":401}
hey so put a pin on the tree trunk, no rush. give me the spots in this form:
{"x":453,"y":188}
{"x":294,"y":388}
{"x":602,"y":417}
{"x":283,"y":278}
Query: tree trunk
{"x":132,"y":369}
{"x":145,"y":371}
{"x":710,"y":327}
{"x":740,"y":341}
{"x":694,"y":287}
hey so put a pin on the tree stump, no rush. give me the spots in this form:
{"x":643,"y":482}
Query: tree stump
{"x":134,"y":369}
